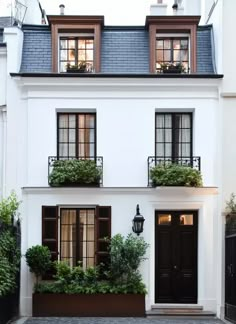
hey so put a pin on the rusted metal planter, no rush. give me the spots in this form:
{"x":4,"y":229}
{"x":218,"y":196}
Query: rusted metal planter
{"x":94,"y":305}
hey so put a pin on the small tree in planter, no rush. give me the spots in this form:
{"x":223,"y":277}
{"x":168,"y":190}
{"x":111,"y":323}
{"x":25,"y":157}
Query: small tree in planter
{"x":74,"y":172}
{"x":175,"y":175}
{"x":38,"y":258}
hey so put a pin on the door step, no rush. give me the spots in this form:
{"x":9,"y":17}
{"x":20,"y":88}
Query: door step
{"x":189,"y":311}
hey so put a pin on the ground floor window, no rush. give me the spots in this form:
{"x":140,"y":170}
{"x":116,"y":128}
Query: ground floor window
{"x":77,"y":233}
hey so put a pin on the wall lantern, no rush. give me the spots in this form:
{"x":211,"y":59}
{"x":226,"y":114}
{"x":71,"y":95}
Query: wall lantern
{"x":138,"y":222}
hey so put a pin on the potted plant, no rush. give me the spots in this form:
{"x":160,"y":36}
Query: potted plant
{"x":81,"y":67}
{"x":171,"y":174}
{"x":172,"y":67}
{"x":38,"y":258}
{"x":74,"y":173}
{"x":114,"y":290}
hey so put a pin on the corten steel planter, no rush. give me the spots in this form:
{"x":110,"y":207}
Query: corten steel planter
{"x":94,"y":305}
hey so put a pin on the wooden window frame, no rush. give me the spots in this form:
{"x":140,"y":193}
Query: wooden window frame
{"x":76,"y":24}
{"x":173,"y":25}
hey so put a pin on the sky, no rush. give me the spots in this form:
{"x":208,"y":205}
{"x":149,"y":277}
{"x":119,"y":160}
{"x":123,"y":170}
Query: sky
{"x":116,"y":12}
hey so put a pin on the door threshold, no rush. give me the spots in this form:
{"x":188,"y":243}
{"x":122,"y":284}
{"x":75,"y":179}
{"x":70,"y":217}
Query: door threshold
{"x":186,"y":306}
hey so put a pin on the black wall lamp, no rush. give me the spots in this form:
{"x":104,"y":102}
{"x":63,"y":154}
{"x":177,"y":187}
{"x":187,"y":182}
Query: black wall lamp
{"x":138,"y":222}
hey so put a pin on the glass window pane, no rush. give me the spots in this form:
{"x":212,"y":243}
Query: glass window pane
{"x":81,"y":135}
{"x":63,"y":150}
{"x":185,"y":150}
{"x":90,"y":233}
{"x":81,"y":119}
{"x":63,"y":121}
{"x":185,"y":135}
{"x":168,"y":135}
{"x":90,"y":262}
{"x":160,"y":120}
{"x":168,"y":149}
{"x":168,"y":121}
{"x":72,"y":150}
{"x":184,"y":44}
{"x":159,"y":54}
{"x":167,"y":56}
{"x":186,"y":219}
{"x":176,"y":56}
{"x":167,"y":43}
{"x":184,"y":55}
{"x":63,"y":55}
{"x":186,"y":121}
{"x":68,"y":216}
{"x":71,"y":55}
{"x":81,"y":55}
{"x":63,"y":135}
{"x":160,"y":135}
{"x":176,"y":43}
{"x":160,"y":149}
{"x":90,"y":249}
{"x":71,"y":43}
{"x":63,"y":43}
{"x":89,"y":43}
{"x":72,"y":135}
{"x":159,"y":44}
{"x":71,"y":121}
{"x":164,"y":219}
{"x":90,"y":121}
{"x":89,"y":55}
{"x":81,"y":43}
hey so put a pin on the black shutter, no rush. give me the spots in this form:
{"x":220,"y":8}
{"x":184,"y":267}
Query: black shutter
{"x":103,"y":231}
{"x":50,"y":233}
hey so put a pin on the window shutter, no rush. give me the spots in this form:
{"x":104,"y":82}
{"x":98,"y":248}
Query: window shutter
{"x":103,"y":230}
{"x":50,"y":232}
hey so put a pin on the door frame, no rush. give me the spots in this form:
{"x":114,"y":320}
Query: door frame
{"x":196,"y":224}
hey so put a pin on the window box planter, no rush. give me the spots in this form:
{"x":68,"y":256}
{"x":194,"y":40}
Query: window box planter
{"x":94,"y":305}
{"x":172,"y":70}
{"x":76,"y":70}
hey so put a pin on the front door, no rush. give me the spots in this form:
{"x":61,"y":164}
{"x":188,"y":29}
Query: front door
{"x":176,"y":256}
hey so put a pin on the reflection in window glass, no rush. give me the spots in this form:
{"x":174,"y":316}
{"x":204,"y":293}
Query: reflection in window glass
{"x":186,"y":219}
{"x":164,"y":219}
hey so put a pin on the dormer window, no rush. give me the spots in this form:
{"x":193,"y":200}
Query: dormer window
{"x":76,"y":41}
{"x":172,"y":50}
{"x":75,"y":52}
{"x":173,"y":42}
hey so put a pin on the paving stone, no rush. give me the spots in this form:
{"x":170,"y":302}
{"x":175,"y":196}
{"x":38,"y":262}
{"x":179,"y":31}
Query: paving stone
{"x":115,"y":320}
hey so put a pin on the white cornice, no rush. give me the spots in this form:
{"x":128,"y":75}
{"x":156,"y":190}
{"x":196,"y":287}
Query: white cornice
{"x":74,"y":88}
{"x":159,"y":191}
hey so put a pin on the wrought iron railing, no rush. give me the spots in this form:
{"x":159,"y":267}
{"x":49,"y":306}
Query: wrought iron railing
{"x":97,"y":159}
{"x":193,"y":162}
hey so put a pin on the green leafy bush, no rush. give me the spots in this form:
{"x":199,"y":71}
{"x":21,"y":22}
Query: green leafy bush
{"x":175,"y":175}
{"x":74,"y":172}
{"x":9,"y":262}
{"x":231,"y":204}
{"x":38,"y":258}
{"x":122,"y":276}
{"x":8,"y":208}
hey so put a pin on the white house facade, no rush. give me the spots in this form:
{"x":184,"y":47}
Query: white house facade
{"x":125,"y":114}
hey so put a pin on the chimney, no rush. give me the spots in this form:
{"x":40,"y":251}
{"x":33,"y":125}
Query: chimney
{"x":158,"y":9}
{"x":62,"y":7}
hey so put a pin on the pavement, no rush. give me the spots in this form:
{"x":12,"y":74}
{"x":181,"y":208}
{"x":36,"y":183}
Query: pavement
{"x":111,"y":320}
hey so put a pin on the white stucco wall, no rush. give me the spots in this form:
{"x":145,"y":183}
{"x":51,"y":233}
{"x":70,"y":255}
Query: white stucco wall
{"x":125,"y":124}
{"x":123,"y":202}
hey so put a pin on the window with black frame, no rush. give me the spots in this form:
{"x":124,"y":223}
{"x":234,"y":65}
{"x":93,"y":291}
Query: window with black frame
{"x":173,"y":136}
{"x":76,"y":52}
{"x":172,"y":52}
{"x":76,"y":135}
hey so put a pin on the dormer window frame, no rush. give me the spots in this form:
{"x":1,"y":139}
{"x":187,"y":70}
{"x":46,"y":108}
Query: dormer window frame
{"x":172,"y":25}
{"x":64,"y":25}
{"x":76,"y":37}
{"x":172,"y":37}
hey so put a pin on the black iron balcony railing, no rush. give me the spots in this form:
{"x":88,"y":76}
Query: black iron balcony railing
{"x":193,"y":162}
{"x":55,"y":164}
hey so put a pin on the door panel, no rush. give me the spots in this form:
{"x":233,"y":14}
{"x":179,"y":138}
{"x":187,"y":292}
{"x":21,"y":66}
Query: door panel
{"x":176,"y":257}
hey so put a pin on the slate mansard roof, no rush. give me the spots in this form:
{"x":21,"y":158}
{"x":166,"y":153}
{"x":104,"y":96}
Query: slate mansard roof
{"x":123,"y":50}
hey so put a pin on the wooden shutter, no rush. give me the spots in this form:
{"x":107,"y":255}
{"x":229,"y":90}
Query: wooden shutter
{"x":50,"y":232}
{"x":103,"y":230}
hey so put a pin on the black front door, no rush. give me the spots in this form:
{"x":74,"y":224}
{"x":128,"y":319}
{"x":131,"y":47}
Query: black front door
{"x":176,"y":256}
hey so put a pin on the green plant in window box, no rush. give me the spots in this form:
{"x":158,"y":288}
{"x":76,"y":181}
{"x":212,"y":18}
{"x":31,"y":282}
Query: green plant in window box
{"x":81,"y":67}
{"x":171,"y":174}
{"x":75,"y":172}
{"x":172,"y":67}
